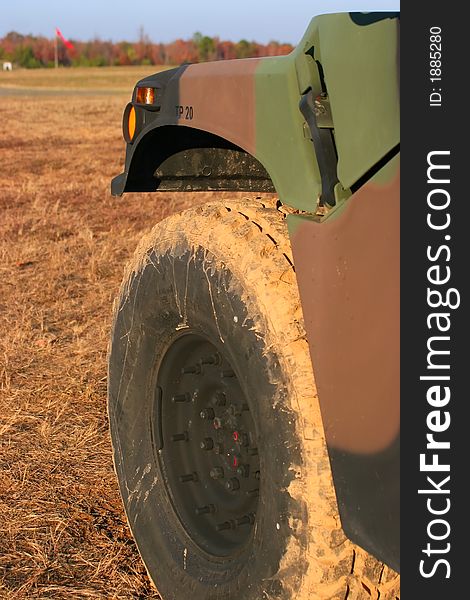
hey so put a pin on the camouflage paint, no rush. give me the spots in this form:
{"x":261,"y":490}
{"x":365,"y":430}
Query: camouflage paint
{"x":363,"y":92}
{"x":222,"y":95}
{"x":283,"y":144}
{"x":254,"y":103}
{"x":348,"y":273}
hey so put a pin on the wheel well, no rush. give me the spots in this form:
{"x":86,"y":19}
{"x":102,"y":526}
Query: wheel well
{"x":183,"y":158}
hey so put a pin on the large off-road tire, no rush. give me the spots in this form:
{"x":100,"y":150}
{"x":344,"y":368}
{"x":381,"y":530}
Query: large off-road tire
{"x":217,"y":434}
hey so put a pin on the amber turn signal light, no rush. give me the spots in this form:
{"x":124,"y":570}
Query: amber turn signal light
{"x":145,"y":95}
{"x":129,"y":123}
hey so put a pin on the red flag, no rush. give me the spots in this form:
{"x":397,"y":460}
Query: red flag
{"x":67,"y":44}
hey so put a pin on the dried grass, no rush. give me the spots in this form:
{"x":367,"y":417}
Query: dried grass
{"x":79,"y":78}
{"x":63,"y":245}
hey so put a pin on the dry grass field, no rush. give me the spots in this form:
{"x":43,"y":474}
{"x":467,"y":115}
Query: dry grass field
{"x":63,"y":245}
{"x":97,"y":79}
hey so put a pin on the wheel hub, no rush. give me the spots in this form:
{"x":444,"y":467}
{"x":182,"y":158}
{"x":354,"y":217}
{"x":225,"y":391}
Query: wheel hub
{"x":207,"y":445}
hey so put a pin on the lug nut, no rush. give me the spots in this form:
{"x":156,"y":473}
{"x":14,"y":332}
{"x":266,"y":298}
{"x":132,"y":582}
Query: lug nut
{"x":206,"y":510}
{"x":246,"y":520}
{"x":181,"y":398}
{"x":217,"y":473}
{"x":219,"y":399}
{"x":226,"y":525}
{"x":227,"y":373}
{"x":207,"y":413}
{"x":232,"y":485}
{"x":180,"y":437}
{"x":243,"y":470}
{"x":189,"y":477}
{"x":207,"y":444}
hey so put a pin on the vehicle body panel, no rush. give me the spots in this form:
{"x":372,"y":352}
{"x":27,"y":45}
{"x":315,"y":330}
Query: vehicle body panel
{"x":222,"y":95}
{"x":361,"y":67}
{"x":348,"y":271}
{"x":254,"y":104}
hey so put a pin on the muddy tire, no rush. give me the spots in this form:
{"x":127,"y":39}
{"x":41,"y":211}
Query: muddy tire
{"x":217,"y":434}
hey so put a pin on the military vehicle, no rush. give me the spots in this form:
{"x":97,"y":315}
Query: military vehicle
{"x":254,"y":359}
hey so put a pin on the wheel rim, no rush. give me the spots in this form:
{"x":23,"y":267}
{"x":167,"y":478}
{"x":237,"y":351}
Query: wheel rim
{"x":205,"y":437}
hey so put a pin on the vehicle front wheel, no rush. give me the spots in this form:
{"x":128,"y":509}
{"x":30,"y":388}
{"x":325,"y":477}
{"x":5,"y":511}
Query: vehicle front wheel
{"x":216,"y":429}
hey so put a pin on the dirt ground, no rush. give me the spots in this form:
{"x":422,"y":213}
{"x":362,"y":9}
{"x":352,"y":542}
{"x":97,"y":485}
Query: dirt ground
{"x":64,"y":242}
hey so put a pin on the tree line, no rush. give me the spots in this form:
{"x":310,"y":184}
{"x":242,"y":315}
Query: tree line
{"x":36,"y":51}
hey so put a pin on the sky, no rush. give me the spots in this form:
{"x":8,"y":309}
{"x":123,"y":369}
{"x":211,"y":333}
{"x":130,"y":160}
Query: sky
{"x":167,"y":20}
